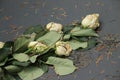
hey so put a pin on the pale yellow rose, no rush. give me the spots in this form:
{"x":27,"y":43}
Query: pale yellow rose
{"x":1,"y":44}
{"x":52,"y":26}
{"x":91,"y":21}
{"x":63,"y":48}
{"x":32,"y":44}
{"x":37,"y":46}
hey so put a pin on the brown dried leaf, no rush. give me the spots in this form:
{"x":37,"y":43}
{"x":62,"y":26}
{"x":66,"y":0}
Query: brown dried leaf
{"x":100,"y":58}
{"x":102,"y":46}
{"x":109,"y":54}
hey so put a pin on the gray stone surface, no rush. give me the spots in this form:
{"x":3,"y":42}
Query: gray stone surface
{"x":20,"y":14}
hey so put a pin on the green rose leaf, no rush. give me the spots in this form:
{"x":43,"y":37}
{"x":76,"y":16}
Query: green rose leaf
{"x":23,"y":64}
{"x":13,"y":68}
{"x":50,"y":38}
{"x":84,"y":32}
{"x":8,"y":44}
{"x":1,"y":70}
{"x":33,"y":58}
{"x":8,"y":77}
{"x":66,"y":37}
{"x":4,"y":53}
{"x":77,"y":28}
{"x":38,"y":29}
{"x":62,"y":66}
{"x":77,"y":44}
{"x":21,"y":43}
{"x":91,"y":43}
{"x":32,"y":36}
{"x":1,"y":73}
{"x":32,"y":72}
{"x":21,"y":57}
{"x":3,"y":62}
{"x":68,"y":28}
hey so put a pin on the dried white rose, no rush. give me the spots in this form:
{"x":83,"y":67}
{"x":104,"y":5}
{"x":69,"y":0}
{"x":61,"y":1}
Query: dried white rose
{"x":37,"y":46}
{"x":91,"y":21}
{"x":63,"y":48}
{"x":52,"y":26}
{"x":1,"y":44}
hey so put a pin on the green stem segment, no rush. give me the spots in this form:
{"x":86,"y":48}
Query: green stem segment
{"x":29,"y":50}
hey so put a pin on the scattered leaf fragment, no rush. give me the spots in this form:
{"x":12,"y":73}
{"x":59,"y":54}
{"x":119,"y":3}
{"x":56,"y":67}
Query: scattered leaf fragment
{"x":109,"y":54}
{"x":102,"y":46}
{"x":100,"y":58}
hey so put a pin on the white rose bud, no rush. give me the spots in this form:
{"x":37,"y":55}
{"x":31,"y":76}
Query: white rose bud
{"x":91,"y":21}
{"x":37,"y":46}
{"x":32,"y":44}
{"x":40,"y":47}
{"x":52,"y":26}
{"x":63,"y":48}
{"x":1,"y":44}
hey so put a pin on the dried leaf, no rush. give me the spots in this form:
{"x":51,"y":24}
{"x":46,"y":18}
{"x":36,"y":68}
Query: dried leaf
{"x":109,"y":54}
{"x":100,"y":58}
{"x":99,"y":48}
